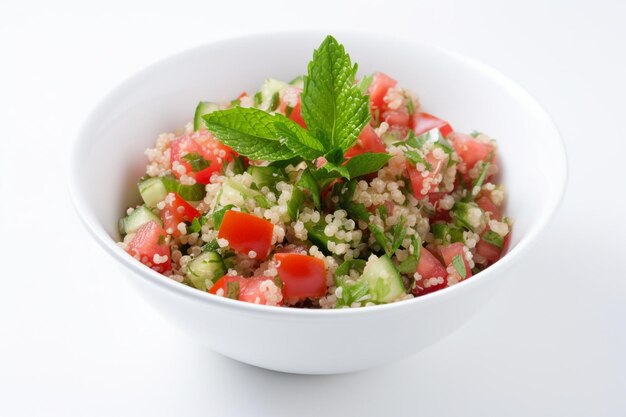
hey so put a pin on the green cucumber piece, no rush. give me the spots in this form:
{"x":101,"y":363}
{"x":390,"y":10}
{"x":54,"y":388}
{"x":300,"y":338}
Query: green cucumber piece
{"x":204,"y":107}
{"x":383,"y":279}
{"x":152,"y":191}
{"x":266,"y":176}
{"x":140,"y":216}
{"x":206,"y":266}
{"x":236,"y":194}
{"x":295,"y":203}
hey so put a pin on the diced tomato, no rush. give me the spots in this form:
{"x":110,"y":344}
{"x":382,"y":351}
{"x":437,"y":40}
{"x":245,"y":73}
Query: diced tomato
{"x":249,"y":289}
{"x":368,"y":141}
{"x":449,"y":252}
{"x":296,"y":115}
{"x":423,"y":122}
{"x":303,"y":276}
{"x":488,"y":206}
{"x":470,"y":149}
{"x":176,"y":210}
{"x":149,"y":240}
{"x":246,"y":233}
{"x":424,"y":185}
{"x":377,"y":90}
{"x":440,"y":215}
{"x":491,"y":252}
{"x":434,"y":274}
{"x":396,"y":119}
{"x":207,"y":146}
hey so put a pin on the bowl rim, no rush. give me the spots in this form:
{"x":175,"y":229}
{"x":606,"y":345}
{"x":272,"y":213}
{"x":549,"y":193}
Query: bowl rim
{"x":98,"y":232}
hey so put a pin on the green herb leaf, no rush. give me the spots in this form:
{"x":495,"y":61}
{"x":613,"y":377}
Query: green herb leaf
{"x":197,"y":223}
{"x":398,"y":233}
{"x":409,"y":265}
{"x":356,"y":211}
{"x":218,"y":215}
{"x":352,"y":292}
{"x":366,"y":163}
{"x":342,"y":170}
{"x":380,"y":237}
{"x":239,"y":165}
{"x":481,"y":178}
{"x":351,"y":264}
{"x":211,"y":246}
{"x":416,"y":142}
{"x":416,"y":158}
{"x":298,"y":139}
{"x":250,"y":132}
{"x":493,"y":238}
{"x":459,"y":265}
{"x":308,"y":182}
{"x":197,"y":161}
{"x":333,"y":107}
{"x":195,"y":192}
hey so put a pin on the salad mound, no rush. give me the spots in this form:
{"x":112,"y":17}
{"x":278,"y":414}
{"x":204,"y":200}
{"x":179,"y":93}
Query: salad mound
{"x":324,"y":192}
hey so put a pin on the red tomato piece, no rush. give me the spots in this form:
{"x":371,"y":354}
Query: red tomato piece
{"x":424,"y":185}
{"x":250,"y":290}
{"x":303,"y":276}
{"x":296,"y":115}
{"x":377,"y":90}
{"x":396,"y":119}
{"x":471,"y":150}
{"x":433,"y":274}
{"x":149,"y":246}
{"x":246,"y":233}
{"x":449,"y":252}
{"x":368,"y":141}
{"x":488,"y":251}
{"x":176,"y":210}
{"x":423,"y":122}
{"x":487,"y":205}
{"x":207,"y":146}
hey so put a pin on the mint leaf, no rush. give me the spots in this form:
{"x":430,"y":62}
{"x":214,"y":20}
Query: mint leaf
{"x":250,"y":132}
{"x":342,"y":170}
{"x":298,"y":139}
{"x":367,"y":162}
{"x":365,"y":83}
{"x":333,"y":107}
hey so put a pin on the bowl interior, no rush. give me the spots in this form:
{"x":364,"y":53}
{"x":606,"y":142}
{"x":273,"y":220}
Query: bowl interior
{"x":108,"y":156}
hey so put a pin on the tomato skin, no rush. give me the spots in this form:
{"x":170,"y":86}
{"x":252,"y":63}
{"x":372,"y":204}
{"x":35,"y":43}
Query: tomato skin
{"x":249,"y":289}
{"x":204,"y":144}
{"x":488,"y":251}
{"x":246,"y":233}
{"x":177,"y":210}
{"x":449,"y":252}
{"x":429,"y":267}
{"x":368,"y":141}
{"x":149,"y":240}
{"x":303,"y":276}
{"x":396,"y":119}
{"x":377,"y":90}
{"x":423,"y":122}
{"x":418,"y":180}
{"x":471,"y":150}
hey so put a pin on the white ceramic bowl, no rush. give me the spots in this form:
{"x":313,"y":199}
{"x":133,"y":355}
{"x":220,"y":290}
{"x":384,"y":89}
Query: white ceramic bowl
{"x":108,"y":159}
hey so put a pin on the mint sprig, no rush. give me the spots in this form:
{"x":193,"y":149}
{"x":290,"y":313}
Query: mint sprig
{"x":335,"y":111}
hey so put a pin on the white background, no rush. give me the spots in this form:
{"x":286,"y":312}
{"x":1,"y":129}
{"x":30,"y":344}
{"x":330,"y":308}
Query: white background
{"x":74,"y":340}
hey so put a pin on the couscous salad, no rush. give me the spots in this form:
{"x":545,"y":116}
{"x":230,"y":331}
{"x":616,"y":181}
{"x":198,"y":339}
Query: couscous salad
{"x":324,"y":192}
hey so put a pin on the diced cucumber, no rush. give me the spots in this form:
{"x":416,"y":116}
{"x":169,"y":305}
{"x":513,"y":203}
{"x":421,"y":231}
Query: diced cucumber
{"x":152,"y":191}
{"x":206,"y":266}
{"x":204,"y":107}
{"x":297,"y":82}
{"x":266,"y":176}
{"x":236,"y":194}
{"x":140,"y":216}
{"x":384,"y":280}
{"x":295,"y":203}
